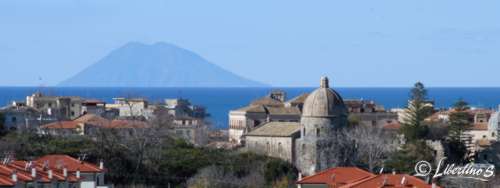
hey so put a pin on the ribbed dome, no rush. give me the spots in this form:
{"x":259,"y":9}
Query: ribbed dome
{"x":324,"y":102}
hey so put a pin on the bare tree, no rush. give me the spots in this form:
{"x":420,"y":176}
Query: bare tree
{"x":373,"y":143}
{"x":357,"y":146}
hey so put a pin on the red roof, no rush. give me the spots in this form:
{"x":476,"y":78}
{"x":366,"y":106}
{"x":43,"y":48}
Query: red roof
{"x":6,"y":181}
{"x":126,"y":124}
{"x":62,"y":125}
{"x":54,"y":163}
{"x":479,"y":127}
{"x":337,"y":176}
{"x":7,"y":171}
{"x":42,"y":173}
{"x":389,"y":180}
{"x":93,"y":120}
{"x":72,"y":164}
{"x":392,"y":126}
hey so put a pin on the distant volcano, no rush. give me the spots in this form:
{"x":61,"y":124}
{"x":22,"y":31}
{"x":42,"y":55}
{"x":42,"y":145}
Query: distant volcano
{"x":156,"y":65}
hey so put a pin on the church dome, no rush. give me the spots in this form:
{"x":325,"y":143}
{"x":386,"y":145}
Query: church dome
{"x":324,"y":102}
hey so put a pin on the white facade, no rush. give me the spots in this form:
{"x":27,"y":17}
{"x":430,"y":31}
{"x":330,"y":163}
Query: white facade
{"x":241,"y":122}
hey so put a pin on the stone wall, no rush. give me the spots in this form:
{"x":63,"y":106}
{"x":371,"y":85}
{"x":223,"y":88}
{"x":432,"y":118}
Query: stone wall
{"x":280,"y":147}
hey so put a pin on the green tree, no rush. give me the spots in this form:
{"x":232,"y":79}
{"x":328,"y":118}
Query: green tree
{"x":415,"y":132}
{"x":454,"y":147}
{"x":459,"y":120}
{"x":418,"y":92}
{"x":455,"y":151}
{"x":418,"y":109}
{"x":404,"y":160}
{"x":353,"y":120}
{"x":2,"y":128}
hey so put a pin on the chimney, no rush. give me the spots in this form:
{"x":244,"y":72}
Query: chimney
{"x":403,"y":181}
{"x":393,"y":172}
{"x":299,"y":178}
{"x":101,"y":165}
{"x":33,"y":172}
{"x":65,"y":172}
{"x":78,"y":173}
{"x":14,"y":176}
{"x":49,"y":172}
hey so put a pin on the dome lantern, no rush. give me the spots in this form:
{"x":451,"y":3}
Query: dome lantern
{"x":324,"y":82}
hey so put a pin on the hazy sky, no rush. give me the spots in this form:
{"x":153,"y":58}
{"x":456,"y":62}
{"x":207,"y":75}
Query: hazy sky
{"x":283,"y":43}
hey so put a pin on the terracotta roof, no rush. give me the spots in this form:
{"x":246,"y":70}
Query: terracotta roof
{"x":62,"y":125}
{"x":126,"y":124}
{"x":484,"y":142}
{"x":7,"y":171}
{"x":93,"y":120}
{"x":479,"y":127}
{"x":72,"y":164}
{"x":336,"y":177}
{"x":392,"y":126}
{"x":276,"y":129}
{"x":6,"y":181}
{"x":389,"y":180}
{"x":21,"y":165}
{"x":53,"y":163}
{"x":42,"y":172}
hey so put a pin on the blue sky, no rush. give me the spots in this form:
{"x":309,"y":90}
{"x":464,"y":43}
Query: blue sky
{"x":283,"y":43}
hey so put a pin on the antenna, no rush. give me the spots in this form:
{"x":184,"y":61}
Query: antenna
{"x":82,"y":157}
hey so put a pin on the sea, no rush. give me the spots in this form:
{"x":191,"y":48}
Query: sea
{"x":219,"y":101}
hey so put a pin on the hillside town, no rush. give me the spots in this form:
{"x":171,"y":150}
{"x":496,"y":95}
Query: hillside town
{"x":321,"y":139}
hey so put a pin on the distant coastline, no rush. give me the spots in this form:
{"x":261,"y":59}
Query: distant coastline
{"x":219,"y":101}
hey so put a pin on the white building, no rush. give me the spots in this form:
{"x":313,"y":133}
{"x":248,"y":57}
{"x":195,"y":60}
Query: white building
{"x":134,"y":107}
